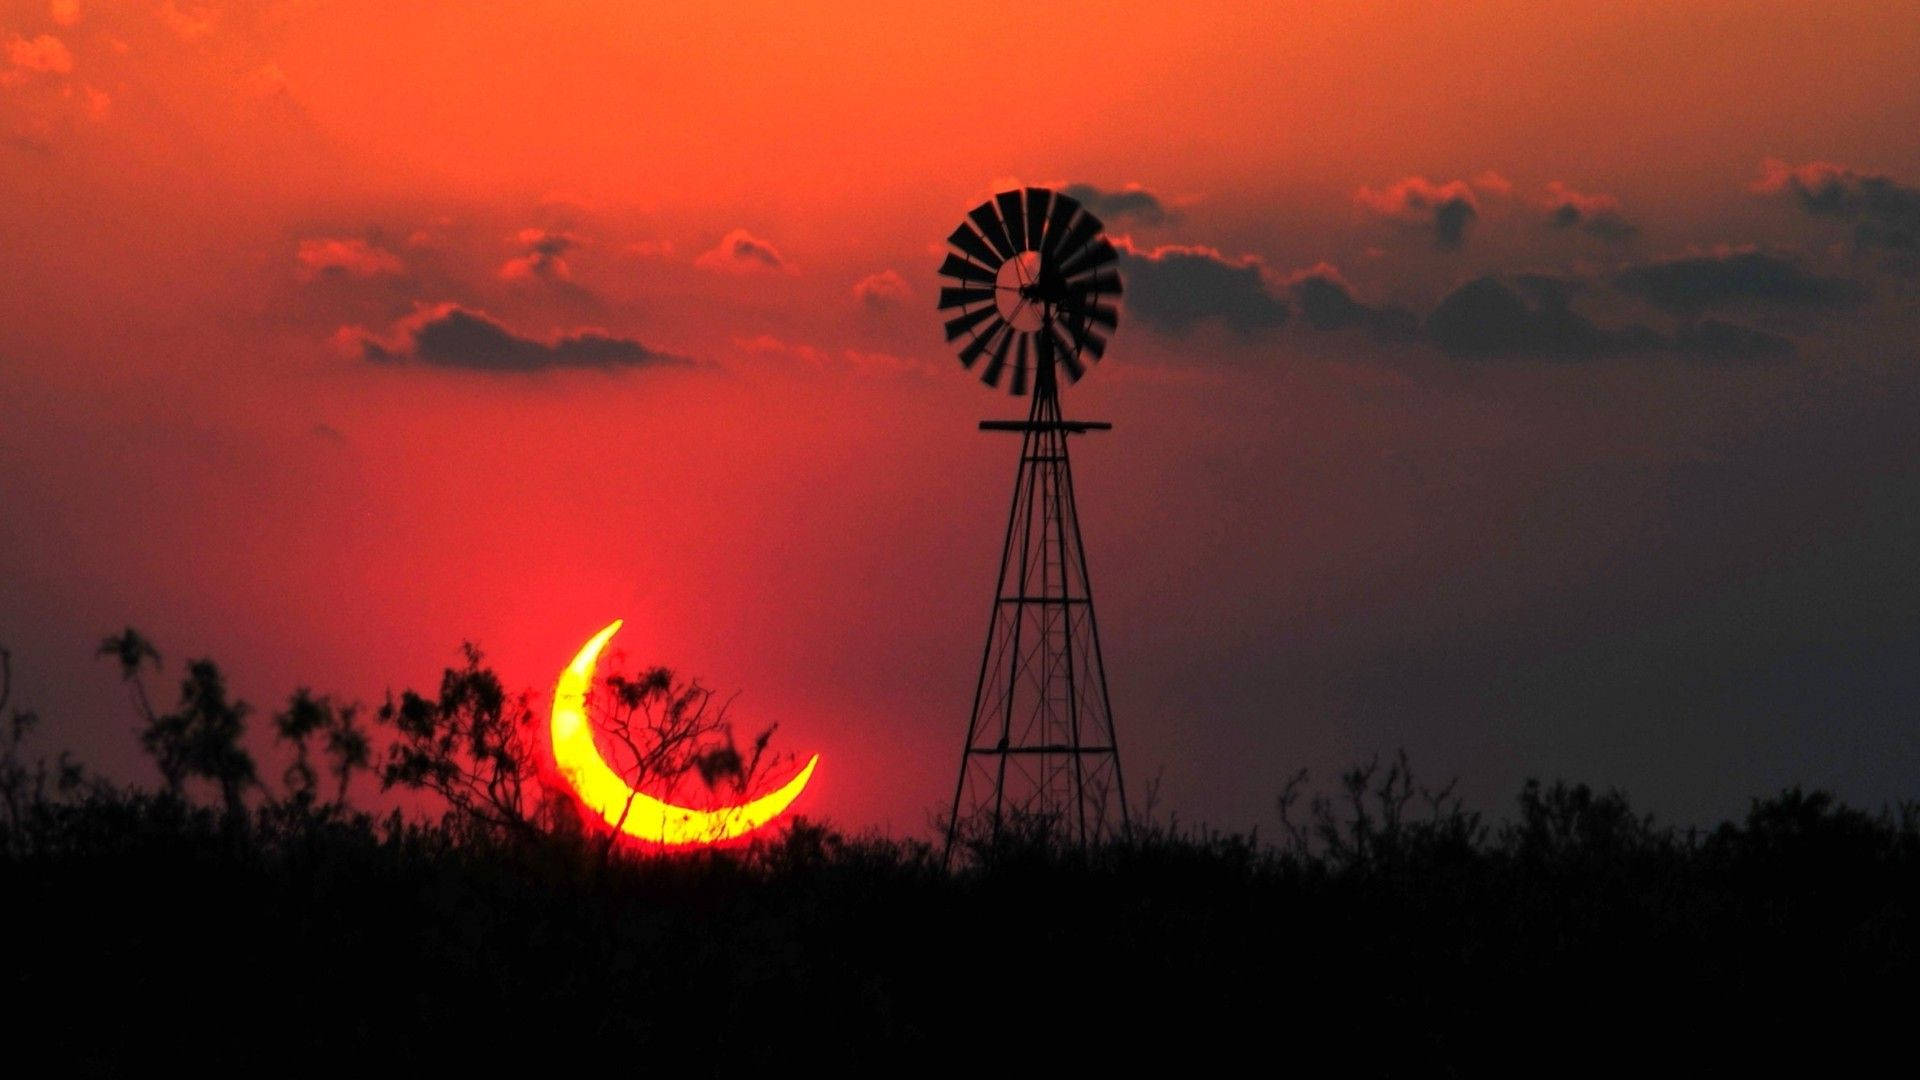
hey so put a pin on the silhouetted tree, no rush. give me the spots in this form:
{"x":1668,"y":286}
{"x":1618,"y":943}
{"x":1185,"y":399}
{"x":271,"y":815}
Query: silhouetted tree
{"x":202,"y":736}
{"x":470,"y":745}
{"x":1812,"y":836}
{"x":17,"y":789}
{"x":482,"y":751}
{"x":665,"y":729}
{"x":1377,"y":823}
{"x":1563,"y":824}
{"x":134,"y":652}
{"x":28,"y":791}
{"x":308,"y":718}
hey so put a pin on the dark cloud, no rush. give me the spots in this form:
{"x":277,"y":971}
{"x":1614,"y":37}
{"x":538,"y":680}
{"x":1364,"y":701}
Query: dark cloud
{"x":1131,"y":202}
{"x":1532,"y":315}
{"x":448,"y":335}
{"x":741,"y":251}
{"x":1596,"y":215}
{"x":1696,"y":283}
{"x":1713,"y":339}
{"x":1450,"y":221}
{"x":1326,"y":302}
{"x":1884,"y":212}
{"x":1176,"y":288}
{"x":1445,"y":210}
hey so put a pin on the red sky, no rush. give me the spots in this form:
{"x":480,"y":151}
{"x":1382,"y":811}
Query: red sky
{"x":1638,"y":509}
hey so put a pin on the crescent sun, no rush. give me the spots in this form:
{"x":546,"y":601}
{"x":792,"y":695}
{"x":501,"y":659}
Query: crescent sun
{"x":633,"y":812}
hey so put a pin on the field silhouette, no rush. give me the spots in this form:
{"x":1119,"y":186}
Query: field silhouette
{"x":226,"y":922}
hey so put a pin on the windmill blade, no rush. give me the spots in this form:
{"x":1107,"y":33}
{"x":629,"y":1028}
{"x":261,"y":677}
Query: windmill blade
{"x":1087,"y":339}
{"x":1100,"y":254}
{"x":1074,"y":296}
{"x":952,"y":298}
{"x":979,"y":344}
{"x":1064,"y":207}
{"x":1038,"y":199}
{"x":990,"y":227}
{"x":957,"y":267}
{"x":1065,"y":353}
{"x":969,"y":241}
{"x":964,"y":323}
{"x":1101,"y":283}
{"x":1012,"y":211}
{"x":1019,"y":384}
{"x":991,"y":373}
{"x":1084,"y":228}
{"x":1103,"y":314}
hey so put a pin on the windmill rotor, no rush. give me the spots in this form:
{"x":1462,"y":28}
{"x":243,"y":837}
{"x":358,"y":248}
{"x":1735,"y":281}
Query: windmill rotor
{"x":1032,"y":288}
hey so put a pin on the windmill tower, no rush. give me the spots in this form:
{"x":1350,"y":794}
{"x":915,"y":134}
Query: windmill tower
{"x":1033,"y":277}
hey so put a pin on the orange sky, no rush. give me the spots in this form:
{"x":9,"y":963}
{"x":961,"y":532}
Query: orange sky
{"x":1629,"y":566}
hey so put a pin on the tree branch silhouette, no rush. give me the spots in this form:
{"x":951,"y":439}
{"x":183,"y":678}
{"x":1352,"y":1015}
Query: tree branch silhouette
{"x":664,"y":729}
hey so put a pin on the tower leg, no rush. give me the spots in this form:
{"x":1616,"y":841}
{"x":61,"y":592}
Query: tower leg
{"x":1040,"y":760}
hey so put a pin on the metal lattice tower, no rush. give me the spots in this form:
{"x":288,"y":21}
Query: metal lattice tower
{"x":1040,"y":754}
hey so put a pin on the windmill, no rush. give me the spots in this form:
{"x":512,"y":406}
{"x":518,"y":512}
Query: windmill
{"x":1033,"y":284}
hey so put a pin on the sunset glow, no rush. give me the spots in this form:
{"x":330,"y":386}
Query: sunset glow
{"x":1528,"y":385}
{"x":1491,"y":430}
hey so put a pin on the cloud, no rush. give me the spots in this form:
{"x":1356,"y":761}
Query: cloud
{"x":1694,"y":283}
{"x":448,"y":335}
{"x":1131,"y":202}
{"x":97,"y":102}
{"x":1445,"y":209}
{"x":1174,"y":288}
{"x":64,"y":12}
{"x":1326,"y":302}
{"x":1884,"y":212}
{"x":814,"y":356}
{"x":1714,"y":339}
{"x":189,"y":25}
{"x":881,"y":291}
{"x":1597,"y":215}
{"x":1532,"y":316}
{"x":26,"y":59}
{"x":768,"y":345}
{"x":350,"y":257}
{"x":542,"y":259}
{"x":46,"y":55}
{"x":1492,"y":183}
{"x":739,"y":252}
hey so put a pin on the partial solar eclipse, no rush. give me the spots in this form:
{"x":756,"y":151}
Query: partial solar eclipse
{"x":633,"y":812}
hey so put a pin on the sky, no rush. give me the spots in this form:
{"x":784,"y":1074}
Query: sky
{"x":1530,"y":387}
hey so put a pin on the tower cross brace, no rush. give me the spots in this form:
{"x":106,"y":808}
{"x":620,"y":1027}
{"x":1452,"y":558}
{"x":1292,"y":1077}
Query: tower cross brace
{"x":1040,"y":757}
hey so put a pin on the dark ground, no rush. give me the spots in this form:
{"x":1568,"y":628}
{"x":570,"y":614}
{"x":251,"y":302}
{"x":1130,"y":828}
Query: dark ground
{"x":149,"y":934}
